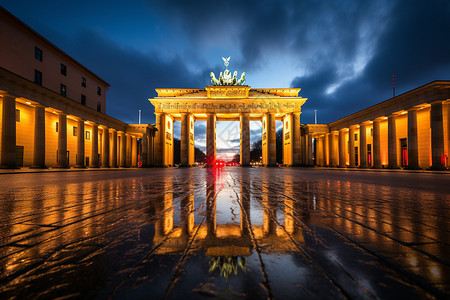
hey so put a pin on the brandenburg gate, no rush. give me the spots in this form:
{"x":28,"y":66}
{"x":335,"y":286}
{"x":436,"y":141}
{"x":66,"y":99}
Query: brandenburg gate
{"x":227,"y":99}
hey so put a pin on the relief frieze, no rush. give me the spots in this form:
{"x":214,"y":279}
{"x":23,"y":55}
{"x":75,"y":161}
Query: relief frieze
{"x":226,"y":106}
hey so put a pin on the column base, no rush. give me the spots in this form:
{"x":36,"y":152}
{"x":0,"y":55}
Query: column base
{"x":9,"y":167}
{"x":124,"y":167}
{"x":247,"y":166}
{"x":393,"y":168}
{"x":437,"y":168}
{"x":61,"y":167}
{"x":412,"y":168}
{"x":39,"y":167}
{"x":184,"y":166}
{"x":272,"y":166}
{"x":79,"y":167}
{"x":94,"y":167}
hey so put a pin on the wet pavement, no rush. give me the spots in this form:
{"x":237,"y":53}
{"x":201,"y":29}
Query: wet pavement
{"x":232,"y":233}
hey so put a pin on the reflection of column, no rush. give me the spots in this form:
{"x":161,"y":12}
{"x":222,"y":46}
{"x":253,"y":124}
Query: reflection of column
{"x":271,"y":139}
{"x":245,"y":209}
{"x":363,"y":146}
{"x":187,"y":213}
{"x":114,"y":149}
{"x":413,"y":157}
{"x":437,"y":136}
{"x":351,"y":146}
{"x":342,"y":160}
{"x":296,"y":143}
{"x":62,"y":141}
{"x":39,"y":137}
{"x":94,"y":152}
{"x":211,"y":204}
{"x":392,"y":143}
{"x":123,"y":150}
{"x":105,"y":146}
{"x":210,"y":139}
{"x":376,"y":151}
{"x":269,"y":215}
{"x":184,"y":140}
{"x":245,"y":139}
{"x":80,"y":144}
{"x":8,"y":159}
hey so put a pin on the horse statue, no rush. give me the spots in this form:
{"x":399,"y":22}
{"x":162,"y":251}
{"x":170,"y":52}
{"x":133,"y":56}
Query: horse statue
{"x":234,"y":80}
{"x":214,"y":79}
{"x":241,"y":80}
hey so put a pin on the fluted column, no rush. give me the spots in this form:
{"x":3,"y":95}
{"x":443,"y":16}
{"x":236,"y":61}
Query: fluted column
{"x":245,"y":139}
{"x":184,"y":140}
{"x":114,"y":149}
{"x":39,"y":137}
{"x":351,"y":146}
{"x":80,"y":144}
{"x":105,"y":146}
{"x":62,"y":141}
{"x":392,"y":143}
{"x":271,"y":139}
{"x":123,"y":150}
{"x":8,"y":159}
{"x":363,"y":146}
{"x":413,"y":146}
{"x":94,"y":147}
{"x":296,"y":139}
{"x":210,"y":139}
{"x":376,"y":151}
{"x":437,"y":136}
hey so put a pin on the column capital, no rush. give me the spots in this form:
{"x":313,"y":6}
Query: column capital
{"x":436,"y":101}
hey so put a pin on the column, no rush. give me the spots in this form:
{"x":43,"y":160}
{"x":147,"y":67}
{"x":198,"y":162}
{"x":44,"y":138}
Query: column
{"x":296,"y":142}
{"x":351,"y":146}
{"x":134,"y":151}
{"x":159,"y":139}
{"x":304,"y":147}
{"x":80,"y":144}
{"x":437,"y":136}
{"x":184,"y":140}
{"x":8,"y":159}
{"x":114,"y":149}
{"x":144,"y":153}
{"x":94,"y":147}
{"x":105,"y":152}
{"x":128,"y":156}
{"x":413,"y":146}
{"x":332,"y":144}
{"x":392,"y":143}
{"x":376,"y":151}
{"x":62,"y":141}
{"x":342,"y":152}
{"x":271,"y":139}
{"x":210,"y":139}
{"x":245,"y":139}
{"x":123,"y":151}
{"x":39,"y":137}
{"x":363,"y":146}
{"x":326,"y":149}
{"x":310,"y":149}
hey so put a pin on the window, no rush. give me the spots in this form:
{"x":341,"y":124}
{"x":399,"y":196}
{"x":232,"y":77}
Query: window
{"x":63,"y":69}
{"x":99,"y":91}
{"x":88,"y":135}
{"x":75,"y":130}
{"x":356,"y":137}
{"x":17,"y":115}
{"x":38,"y":53}
{"x":83,"y":82}
{"x":83,"y":99}
{"x":63,"y":90}
{"x":57,"y":126}
{"x":99,"y":106}
{"x":37,"y":77}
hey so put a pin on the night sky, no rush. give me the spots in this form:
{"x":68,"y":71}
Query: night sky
{"x":341,"y":53}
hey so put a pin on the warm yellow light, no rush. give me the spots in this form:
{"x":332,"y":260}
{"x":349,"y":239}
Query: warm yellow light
{"x":28,"y":102}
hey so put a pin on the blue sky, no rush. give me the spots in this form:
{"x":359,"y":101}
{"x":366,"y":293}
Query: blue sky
{"x":341,"y":53}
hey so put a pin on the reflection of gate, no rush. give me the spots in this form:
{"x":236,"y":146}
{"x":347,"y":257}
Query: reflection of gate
{"x":404,"y":152}
{"x":19,"y":156}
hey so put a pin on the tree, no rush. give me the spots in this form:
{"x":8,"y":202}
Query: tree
{"x":199,"y":155}
{"x":256,"y":151}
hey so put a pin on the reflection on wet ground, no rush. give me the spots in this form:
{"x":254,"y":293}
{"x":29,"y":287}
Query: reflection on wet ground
{"x":231,"y":233}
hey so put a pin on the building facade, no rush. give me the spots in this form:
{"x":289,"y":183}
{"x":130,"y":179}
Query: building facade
{"x":410,"y":131}
{"x":52,"y":109}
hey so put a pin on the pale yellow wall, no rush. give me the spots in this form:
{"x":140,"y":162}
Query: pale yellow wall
{"x":25,"y":132}
{"x":71,"y":141}
{"x":424,"y":137}
{"x":384,"y":143}
{"x":88,"y":143}
{"x":51,"y":138}
{"x":402,"y":133}
{"x":369,"y":140}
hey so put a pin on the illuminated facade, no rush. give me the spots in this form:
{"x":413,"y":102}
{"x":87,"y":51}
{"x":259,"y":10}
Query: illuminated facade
{"x":409,"y":131}
{"x":227,"y":103}
{"x":53,"y":109}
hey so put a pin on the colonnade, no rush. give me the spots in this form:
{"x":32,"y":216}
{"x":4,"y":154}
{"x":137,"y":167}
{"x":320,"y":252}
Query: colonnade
{"x":414,"y":138}
{"x":117,"y":148}
{"x":164,"y":137}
